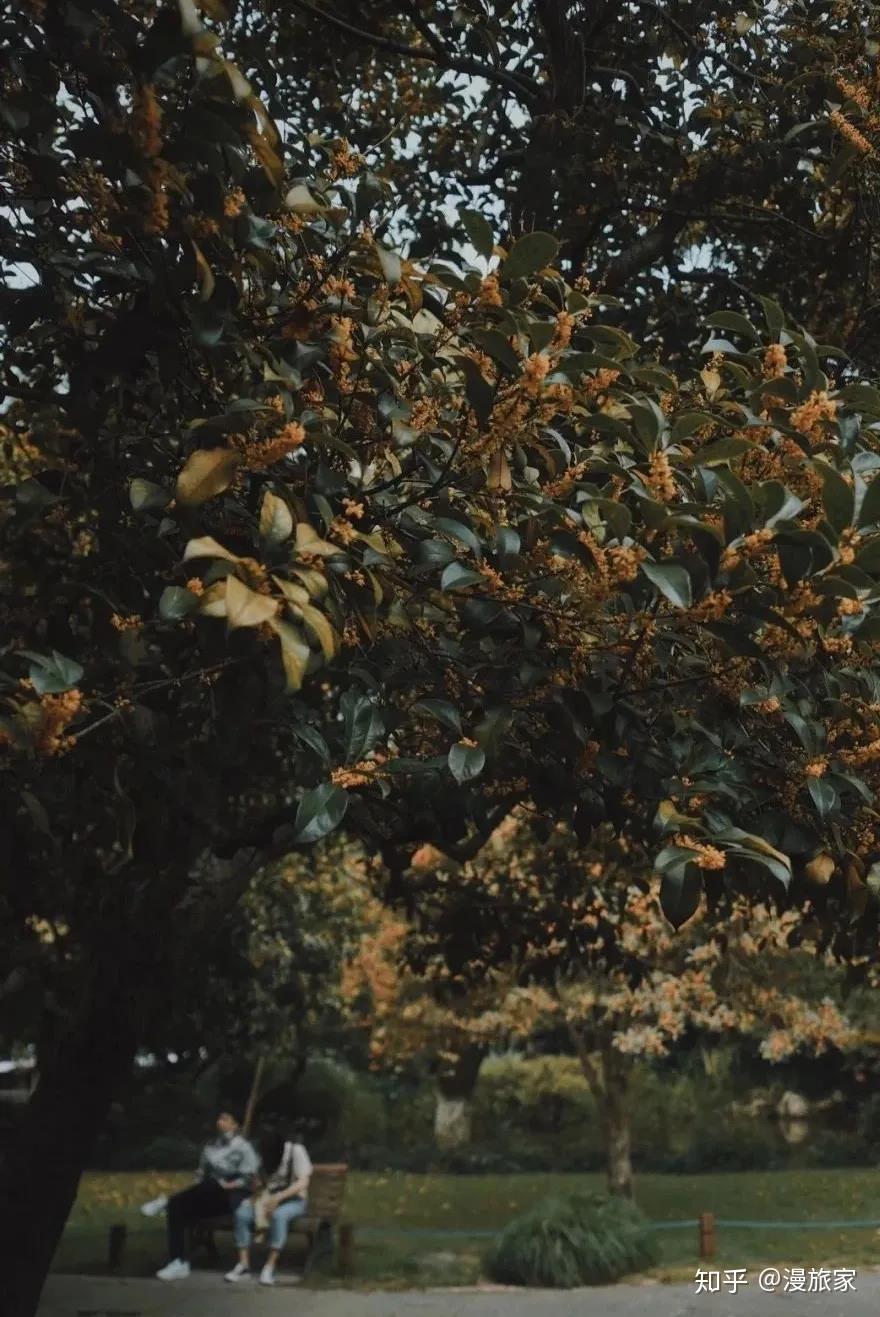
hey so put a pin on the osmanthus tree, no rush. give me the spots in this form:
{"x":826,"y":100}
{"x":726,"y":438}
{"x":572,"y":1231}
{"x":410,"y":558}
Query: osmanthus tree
{"x":410,"y":1023}
{"x":730,"y":145}
{"x":539,"y":932}
{"x":280,"y":980}
{"x":298,"y":530}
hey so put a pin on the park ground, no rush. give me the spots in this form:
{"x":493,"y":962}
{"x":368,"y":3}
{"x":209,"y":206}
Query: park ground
{"x":68,"y":1296}
{"x":422,"y":1231}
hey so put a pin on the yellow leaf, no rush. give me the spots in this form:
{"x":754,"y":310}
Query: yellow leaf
{"x":499,"y":472}
{"x":213,"y":602}
{"x":309,"y":541}
{"x":205,"y":273}
{"x":377,"y":588}
{"x":297,"y":594}
{"x":820,"y":869}
{"x":295,"y":652}
{"x":206,"y":473}
{"x":314,"y":581}
{"x":244,"y":607}
{"x":206,"y":547}
{"x":276,"y":519}
{"x":300,"y":200}
{"x":712,"y":380}
{"x":317,"y":622}
{"x":241,"y":88}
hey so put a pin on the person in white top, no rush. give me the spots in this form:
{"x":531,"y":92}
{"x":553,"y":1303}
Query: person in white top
{"x":283,"y":1199}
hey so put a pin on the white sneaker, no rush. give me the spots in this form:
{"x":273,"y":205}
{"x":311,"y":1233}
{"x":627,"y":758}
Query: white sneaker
{"x":267,"y":1275}
{"x":155,"y":1206}
{"x":238,"y":1272}
{"x":176,"y":1270}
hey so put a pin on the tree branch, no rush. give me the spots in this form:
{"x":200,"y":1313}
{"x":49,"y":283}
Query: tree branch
{"x":656,"y":242}
{"x":448,"y":59}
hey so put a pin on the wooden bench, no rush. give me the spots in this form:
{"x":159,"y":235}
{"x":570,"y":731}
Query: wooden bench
{"x":322,"y":1217}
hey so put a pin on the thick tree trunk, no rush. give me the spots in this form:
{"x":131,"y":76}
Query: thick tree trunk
{"x":618,"y":1150}
{"x":455,"y":1091}
{"x":453,"y":1120}
{"x":52,"y":1140}
{"x":607,"y":1074}
{"x":615,"y":1117}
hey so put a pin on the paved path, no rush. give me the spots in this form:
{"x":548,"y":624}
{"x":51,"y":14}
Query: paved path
{"x":200,"y":1296}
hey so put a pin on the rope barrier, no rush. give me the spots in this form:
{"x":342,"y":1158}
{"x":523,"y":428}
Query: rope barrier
{"x":730,"y":1223}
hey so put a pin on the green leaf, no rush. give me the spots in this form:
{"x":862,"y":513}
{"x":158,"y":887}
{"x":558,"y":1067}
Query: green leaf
{"x":390,"y":263}
{"x":443,"y":711}
{"x":869,"y":512}
{"x":465,"y":762}
{"x":671,"y":580}
{"x":363,"y":724}
{"x":456,"y":575}
{"x":52,"y":675}
{"x":680,"y":892}
{"x":721,"y":450}
{"x":320,"y":810}
{"x":687,"y":423}
{"x":824,"y":796}
{"x":478,"y":230}
{"x":837,"y":496}
{"x":459,"y":532}
{"x":774,"y":316}
{"x":176,"y":603}
{"x":492,"y":731}
{"x":531,"y":253}
{"x":479,"y":392}
{"x":861,"y":397}
{"x":146,"y":496}
{"x":868,"y":556}
{"x":734,"y":321}
{"x":493,"y":342}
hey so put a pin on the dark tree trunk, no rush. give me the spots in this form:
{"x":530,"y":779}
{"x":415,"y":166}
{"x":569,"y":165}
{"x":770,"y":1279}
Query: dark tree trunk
{"x":41,"y":1169}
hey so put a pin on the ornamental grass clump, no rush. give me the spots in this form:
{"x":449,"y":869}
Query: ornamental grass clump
{"x":579,"y":1239}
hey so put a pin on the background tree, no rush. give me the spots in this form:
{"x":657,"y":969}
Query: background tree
{"x":409,"y":1025}
{"x":298,"y":530}
{"x":538,"y":931}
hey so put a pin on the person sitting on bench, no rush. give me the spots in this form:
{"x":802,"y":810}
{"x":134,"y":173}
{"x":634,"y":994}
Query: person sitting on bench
{"x":227,"y":1173}
{"x":283,"y":1200}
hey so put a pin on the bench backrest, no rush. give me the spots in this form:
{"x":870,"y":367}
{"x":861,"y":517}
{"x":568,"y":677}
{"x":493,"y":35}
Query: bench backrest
{"x":326,"y":1191}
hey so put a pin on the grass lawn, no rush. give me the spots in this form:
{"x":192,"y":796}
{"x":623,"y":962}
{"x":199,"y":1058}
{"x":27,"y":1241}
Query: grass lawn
{"x":384,"y":1207}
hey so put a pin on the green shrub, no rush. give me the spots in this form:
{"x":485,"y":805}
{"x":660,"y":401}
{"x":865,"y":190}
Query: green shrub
{"x":580,"y":1239}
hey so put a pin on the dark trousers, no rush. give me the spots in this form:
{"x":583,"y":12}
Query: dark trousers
{"x":203,"y":1199}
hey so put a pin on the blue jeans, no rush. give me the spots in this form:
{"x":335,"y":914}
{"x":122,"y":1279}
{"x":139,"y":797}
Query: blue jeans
{"x":279,"y":1222}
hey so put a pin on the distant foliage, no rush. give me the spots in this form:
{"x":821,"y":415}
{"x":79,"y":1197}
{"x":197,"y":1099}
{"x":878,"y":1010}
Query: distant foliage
{"x":582,"y":1239}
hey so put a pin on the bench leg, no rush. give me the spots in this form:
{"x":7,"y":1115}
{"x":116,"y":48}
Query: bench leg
{"x":346,"y":1249}
{"x":116,"y":1247}
{"x":311,"y":1236}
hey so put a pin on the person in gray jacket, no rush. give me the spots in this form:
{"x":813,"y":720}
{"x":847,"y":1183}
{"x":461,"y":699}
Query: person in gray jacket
{"x":226,"y":1174}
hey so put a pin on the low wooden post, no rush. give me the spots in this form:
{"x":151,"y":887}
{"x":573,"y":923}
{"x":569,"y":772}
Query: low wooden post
{"x":346,"y":1248}
{"x":116,"y":1246}
{"x":707,"y":1235}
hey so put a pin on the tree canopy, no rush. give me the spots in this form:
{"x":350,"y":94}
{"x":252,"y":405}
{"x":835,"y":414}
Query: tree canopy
{"x":305,"y":528}
{"x":689,"y":156}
